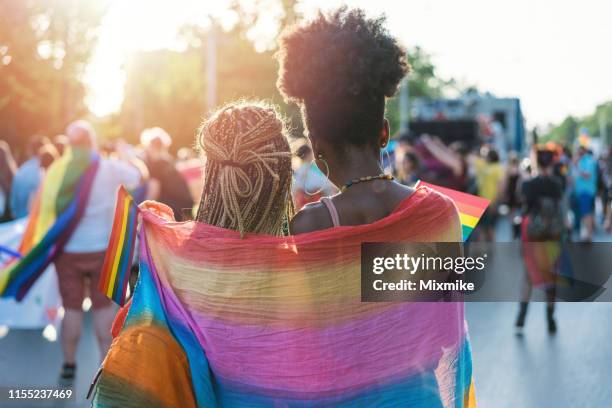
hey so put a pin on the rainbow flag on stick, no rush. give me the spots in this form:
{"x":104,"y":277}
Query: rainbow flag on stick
{"x":118,"y":261}
{"x":470,"y":207}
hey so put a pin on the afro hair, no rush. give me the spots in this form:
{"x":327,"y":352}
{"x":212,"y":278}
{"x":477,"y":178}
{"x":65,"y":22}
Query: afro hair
{"x":339,"y":68}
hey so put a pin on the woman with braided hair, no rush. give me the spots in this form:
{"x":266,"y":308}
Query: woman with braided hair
{"x":247,"y":176}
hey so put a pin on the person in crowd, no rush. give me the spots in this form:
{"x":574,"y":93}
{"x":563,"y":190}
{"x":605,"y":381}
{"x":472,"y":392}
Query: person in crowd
{"x":606,"y":171}
{"x":27,"y":179}
{"x":409,"y":171}
{"x":256,"y":129}
{"x":83,"y":254}
{"x":60,"y":142}
{"x":47,"y":154}
{"x":512,"y":193}
{"x":489,"y":181}
{"x":166,"y":183}
{"x":309,"y":183}
{"x":404,"y":144}
{"x":543,"y":222}
{"x":451,"y":161}
{"x":189,"y":165}
{"x":8,"y":168}
{"x":585,"y":191}
{"x":247,"y":188}
{"x":339,"y":69}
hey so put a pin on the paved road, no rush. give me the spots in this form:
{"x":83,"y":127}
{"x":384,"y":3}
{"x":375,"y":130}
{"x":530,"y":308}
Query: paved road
{"x":571,"y":369}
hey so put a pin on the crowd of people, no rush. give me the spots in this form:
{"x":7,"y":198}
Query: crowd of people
{"x":585,"y":180}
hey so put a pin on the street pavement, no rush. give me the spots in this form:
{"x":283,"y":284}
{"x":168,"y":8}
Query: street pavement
{"x":572,"y":368}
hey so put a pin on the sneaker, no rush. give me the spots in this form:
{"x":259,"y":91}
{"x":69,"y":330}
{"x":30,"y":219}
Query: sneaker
{"x":67,"y":374}
{"x":520,"y":319}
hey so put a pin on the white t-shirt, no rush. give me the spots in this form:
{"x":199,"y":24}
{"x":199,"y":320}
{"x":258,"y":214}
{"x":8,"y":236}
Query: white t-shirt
{"x":93,"y":232}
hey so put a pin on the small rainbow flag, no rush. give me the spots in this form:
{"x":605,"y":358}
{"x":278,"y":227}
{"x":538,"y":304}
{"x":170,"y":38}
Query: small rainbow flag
{"x":470,"y":207}
{"x":118,"y":261}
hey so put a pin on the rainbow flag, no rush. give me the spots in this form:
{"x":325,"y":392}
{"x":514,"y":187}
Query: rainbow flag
{"x":57,"y":209}
{"x":220,"y":321}
{"x":471,"y":207}
{"x":118,"y":261}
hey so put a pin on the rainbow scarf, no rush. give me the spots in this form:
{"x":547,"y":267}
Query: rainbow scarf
{"x":57,"y":210}
{"x":219,"y":321}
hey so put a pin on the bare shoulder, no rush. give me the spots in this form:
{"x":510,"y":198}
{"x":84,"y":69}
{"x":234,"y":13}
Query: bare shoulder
{"x":312,"y":217}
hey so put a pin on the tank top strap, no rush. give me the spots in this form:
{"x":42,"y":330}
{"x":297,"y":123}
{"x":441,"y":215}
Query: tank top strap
{"x":333,"y":213}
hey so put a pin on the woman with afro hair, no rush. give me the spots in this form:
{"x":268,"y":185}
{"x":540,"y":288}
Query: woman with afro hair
{"x":339,"y":69}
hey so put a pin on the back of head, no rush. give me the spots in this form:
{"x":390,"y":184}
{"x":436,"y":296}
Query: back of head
{"x":155,"y":138}
{"x":81,"y":134}
{"x":47,"y":155}
{"x":247,"y":176}
{"x":339,"y":68}
{"x":544,"y":158}
{"x":35,"y":143}
{"x":60,"y":142}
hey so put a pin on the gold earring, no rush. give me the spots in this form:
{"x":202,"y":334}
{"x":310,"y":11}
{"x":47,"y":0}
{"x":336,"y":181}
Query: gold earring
{"x":319,"y":157}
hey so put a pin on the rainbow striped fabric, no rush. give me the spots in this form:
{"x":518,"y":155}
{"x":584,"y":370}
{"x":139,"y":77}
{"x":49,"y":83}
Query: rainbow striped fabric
{"x":57,"y":209}
{"x":118,"y":261}
{"x":219,"y":321}
{"x":471,"y":207}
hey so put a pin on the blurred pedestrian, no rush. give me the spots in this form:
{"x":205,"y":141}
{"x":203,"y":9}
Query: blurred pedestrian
{"x":585,"y":190}
{"x":512,"y":193}
{"x":606,"y":171}
{"x":83,"y":255}
{"x":542,"y":229}
{"x":27,"y":179}
{"x":60,"y":142}
{"x":8,"y":168}
{"x":489,"y":182}
{"x":166,"y":184}
{"x":409,"y":172}
{"x":451,"y":164}
{"x":47,"y":154}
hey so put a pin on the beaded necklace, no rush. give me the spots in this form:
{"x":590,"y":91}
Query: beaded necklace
{"x":382,"y":176}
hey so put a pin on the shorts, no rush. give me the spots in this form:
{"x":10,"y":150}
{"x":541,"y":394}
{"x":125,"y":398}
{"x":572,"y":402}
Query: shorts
{"x":73,"y":270}
{"x":585,"y":203}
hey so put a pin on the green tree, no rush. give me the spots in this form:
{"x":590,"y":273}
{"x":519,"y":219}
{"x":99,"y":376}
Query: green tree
{"x":598,"y":124}
{"x":45,"y":46}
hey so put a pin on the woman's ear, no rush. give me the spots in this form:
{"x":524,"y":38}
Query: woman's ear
{"x":385,"y":135}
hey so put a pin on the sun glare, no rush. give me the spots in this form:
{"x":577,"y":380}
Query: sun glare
{"x":135,"y":25}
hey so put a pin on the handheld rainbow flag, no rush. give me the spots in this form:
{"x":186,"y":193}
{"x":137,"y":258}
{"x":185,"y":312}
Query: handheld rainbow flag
{"x":470,"y":207}
{"x":57,"y":210}
{"x":118,"y":261}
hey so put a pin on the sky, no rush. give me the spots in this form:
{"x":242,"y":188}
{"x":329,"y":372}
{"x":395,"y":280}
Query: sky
{"x":555,"y":55}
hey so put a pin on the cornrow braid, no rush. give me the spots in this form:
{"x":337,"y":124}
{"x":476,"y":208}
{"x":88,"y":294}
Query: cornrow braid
{"x":247,"y":176}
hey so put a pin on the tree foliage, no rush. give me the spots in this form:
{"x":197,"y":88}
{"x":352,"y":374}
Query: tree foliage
{"x":45,"y":46}
{"x":596,"y":123}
